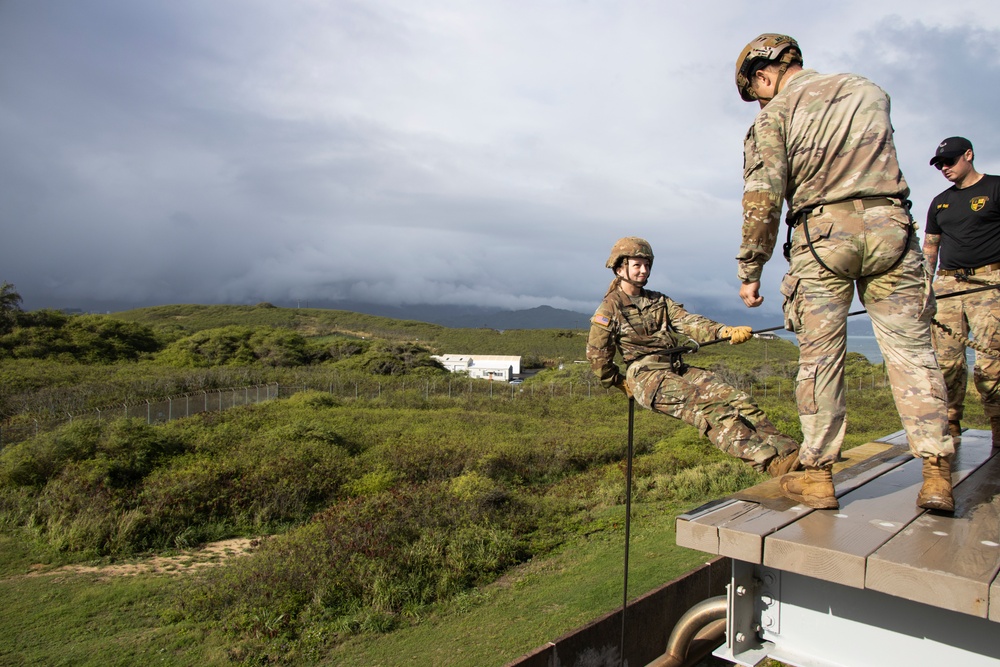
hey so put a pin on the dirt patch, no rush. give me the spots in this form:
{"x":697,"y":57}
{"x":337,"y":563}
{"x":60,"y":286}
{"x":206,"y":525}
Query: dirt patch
{"x":209,"y":555}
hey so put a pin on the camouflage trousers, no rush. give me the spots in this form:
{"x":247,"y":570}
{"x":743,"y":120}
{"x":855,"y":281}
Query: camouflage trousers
{"x":860,"y":248}
{"x":726,"y":416}
{"x":976,"y":314}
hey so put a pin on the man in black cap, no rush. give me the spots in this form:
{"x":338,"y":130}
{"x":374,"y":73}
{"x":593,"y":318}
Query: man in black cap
{"x":963,"y":231}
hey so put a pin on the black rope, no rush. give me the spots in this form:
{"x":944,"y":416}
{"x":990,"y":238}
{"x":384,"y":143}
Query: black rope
{"x":628,"y":520}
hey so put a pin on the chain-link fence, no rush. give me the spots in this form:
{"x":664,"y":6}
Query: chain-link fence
{"x":153,"y":410}
{"x":388,"y":390}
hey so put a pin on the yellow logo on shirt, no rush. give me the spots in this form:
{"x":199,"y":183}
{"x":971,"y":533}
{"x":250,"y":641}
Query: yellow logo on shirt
{"x":977,"y":203}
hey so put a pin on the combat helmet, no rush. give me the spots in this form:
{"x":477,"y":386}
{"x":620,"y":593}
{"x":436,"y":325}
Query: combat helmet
{"x":630,"y":246}
{"x":767,"y":48}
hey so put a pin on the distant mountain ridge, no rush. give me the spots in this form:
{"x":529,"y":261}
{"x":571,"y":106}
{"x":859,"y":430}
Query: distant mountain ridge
{"x":469,"y":317}
{"x":546,"y":317}
{"x":477,"y":317}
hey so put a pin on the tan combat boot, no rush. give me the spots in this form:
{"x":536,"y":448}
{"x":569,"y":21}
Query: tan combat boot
{"x":954,"y":428}
{"x":780,"y":465}
{"x":812,"y":487}
{"x":935,"y":494}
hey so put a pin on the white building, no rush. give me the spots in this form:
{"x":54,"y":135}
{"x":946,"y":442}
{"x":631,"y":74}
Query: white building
{"x":486,"y":366}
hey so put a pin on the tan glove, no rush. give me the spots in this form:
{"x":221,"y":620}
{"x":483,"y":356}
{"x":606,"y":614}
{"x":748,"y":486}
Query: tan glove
{"x":736,"y":335}
{"x":623,"y":386}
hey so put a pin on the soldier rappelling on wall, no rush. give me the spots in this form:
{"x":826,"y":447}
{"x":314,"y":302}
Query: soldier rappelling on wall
{"x":647,"y":328}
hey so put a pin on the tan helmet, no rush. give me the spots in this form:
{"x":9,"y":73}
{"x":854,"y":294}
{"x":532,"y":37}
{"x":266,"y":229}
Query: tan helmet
{"x":769,"y":47}
{"x":630,"y":246}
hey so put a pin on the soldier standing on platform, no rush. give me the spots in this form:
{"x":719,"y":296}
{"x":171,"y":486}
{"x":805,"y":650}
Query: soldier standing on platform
{"x":963,"y":231}
{"x":643,"y":326}
{"x":824,"y":144}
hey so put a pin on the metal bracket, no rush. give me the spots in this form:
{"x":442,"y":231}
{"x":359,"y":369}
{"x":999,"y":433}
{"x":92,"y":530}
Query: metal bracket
{"x":744,"y":645}
{"x":769,"y":601}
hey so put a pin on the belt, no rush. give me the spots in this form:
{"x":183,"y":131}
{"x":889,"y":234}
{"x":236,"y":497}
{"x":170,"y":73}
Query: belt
{"x":659,"y":358}
{"x":970,"y":272}
{"x":850,"y":205}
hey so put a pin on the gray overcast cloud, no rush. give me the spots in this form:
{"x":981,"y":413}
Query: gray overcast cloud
{"x":425,"y":151}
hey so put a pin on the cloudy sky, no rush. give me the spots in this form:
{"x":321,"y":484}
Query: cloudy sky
{"x":484,"y":152}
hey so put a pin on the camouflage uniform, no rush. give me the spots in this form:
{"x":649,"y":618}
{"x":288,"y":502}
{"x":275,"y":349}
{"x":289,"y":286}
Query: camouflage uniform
{"x":641,"y":328}
{"x":966,"y":222}
{"x":976,"y":313}
{"x":824,"y":144}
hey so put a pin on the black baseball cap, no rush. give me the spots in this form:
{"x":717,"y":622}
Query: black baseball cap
{"x":950,"y":148}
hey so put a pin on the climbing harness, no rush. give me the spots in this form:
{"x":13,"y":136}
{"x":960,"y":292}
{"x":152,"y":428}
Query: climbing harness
{"x":856,"y":205}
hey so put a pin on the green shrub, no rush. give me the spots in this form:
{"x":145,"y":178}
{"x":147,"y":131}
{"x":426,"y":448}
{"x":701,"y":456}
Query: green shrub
{"x":372,"y":483}
{"x":365,"y":558}
{"x":34,"y":462}
{"x":237,"y":345}
{"x":97,"y":339}
{"x":713,"y":480}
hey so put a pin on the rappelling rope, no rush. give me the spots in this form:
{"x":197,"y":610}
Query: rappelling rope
{"x":965,"y":340}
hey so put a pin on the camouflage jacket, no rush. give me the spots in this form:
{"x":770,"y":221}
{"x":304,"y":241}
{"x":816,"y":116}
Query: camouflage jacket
{"x":640,"y":328}
{"x":824,"y":138}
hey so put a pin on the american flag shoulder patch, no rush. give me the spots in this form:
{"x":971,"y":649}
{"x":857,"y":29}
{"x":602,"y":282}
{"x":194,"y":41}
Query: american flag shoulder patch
{"x":603,"y":320}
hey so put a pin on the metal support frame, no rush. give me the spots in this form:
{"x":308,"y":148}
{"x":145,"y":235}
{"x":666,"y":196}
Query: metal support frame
{"x":807,"y":622}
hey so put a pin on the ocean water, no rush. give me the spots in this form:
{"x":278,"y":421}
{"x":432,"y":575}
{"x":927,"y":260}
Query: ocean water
{"x":866,"y":345}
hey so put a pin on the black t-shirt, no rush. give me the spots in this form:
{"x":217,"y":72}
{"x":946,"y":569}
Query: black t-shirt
{"x":968,"y":221}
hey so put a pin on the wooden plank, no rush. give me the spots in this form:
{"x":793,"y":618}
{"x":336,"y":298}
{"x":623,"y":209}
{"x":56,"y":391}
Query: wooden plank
{"x":697,"y":528}
{"x":736,"y":526}
{"x":947,"y":561}
{"x":995,"y":601}
{"x":835,"y":545}
{"x":743,"y":538}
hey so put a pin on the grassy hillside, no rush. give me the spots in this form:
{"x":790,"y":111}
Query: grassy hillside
{"x":392,"y":526}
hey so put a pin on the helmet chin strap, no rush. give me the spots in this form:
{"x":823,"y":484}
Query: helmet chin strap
{"x":784,"y":62}
{"x":626,"y":278}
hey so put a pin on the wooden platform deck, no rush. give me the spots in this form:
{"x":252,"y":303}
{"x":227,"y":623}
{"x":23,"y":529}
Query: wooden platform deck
{"x":878,"y":539}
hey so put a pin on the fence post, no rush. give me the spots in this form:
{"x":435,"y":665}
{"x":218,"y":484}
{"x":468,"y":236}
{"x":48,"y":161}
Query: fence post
{"x":149,"y":412}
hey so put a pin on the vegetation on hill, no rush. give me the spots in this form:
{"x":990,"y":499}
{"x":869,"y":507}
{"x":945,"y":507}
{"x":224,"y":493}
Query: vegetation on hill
{"x":538,"y":347}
